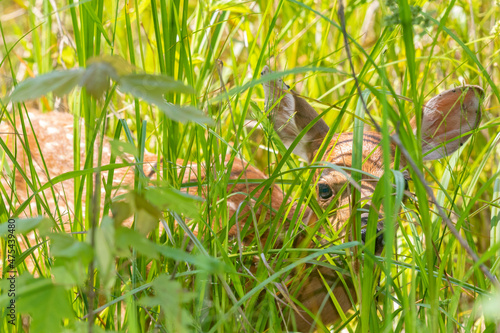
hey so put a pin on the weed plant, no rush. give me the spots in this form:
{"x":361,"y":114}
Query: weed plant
{"x":169,"y":280}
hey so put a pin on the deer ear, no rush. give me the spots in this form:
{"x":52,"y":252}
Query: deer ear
{"x":447,"y":118}
{"x":290,"y":115}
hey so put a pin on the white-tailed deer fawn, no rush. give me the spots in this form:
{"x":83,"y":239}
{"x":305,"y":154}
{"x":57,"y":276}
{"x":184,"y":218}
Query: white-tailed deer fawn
{"x":447,"y":121}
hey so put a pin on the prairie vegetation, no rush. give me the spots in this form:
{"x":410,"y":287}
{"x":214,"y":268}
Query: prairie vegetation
{"x":176,"y":269}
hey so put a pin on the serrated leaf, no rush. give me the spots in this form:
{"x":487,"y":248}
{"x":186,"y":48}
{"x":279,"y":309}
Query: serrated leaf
{"x":146,"y":221}
{"x":171,"y":297}
{"x":202,"y":262}
{"x":105,"y":249}
{"x":155,"y":84}
{"x":490,"y":307}
{"x":148,"y":215}
{"x":47,"y":303}
{"x":69,"y":272}
{"x":125,"y":238}
{"x":23,"y":226}
{"x":183,"y":114}
{"x":122,"y":210}
{"x":60,"y":82}
{"x":119,"y":148}
{"x":65,"y":246}
{"x":175,"y":200}
{"x":194,"y":114}
{"x":96,"y":78}
{"x":120,"y":66}
{"x":153,"y":93}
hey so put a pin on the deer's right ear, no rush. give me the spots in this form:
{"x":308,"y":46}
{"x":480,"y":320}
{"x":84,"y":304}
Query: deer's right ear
{"x":290,"y":114}
{"x":449,"y":116}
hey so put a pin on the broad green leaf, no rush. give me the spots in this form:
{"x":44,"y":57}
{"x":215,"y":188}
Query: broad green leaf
{"x":129,"y":238}
{"x":126,"y":237}
{"x":47,"y":303}
{"x":491,"y":306}
{"x":154,"y":84}
{"x":146,"y":220}
{"x":120,"y":66}
{"x":23,"y":226}
{"x":122,"y":210}
{"x":151,"y":90}
{"x":59,"y":82}
{"x":202,"y":262}
{"x":170,"y":296}
{"x":69,"y":272}
{"x":105,"y":248}
{"x":65,"y":246}
{"x":119,"y":148}
{"x":148,"y":215}
{"x":96,"y":78}
{"x":170,"y":198}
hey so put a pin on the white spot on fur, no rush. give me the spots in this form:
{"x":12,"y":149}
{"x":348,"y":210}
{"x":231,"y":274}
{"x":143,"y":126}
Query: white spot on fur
{"x":232,"y":206}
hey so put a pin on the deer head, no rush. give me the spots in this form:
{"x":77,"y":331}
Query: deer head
{"x":447,"y":122}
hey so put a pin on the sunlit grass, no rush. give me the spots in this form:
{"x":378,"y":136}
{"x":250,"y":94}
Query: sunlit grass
{"x":427,"y":280}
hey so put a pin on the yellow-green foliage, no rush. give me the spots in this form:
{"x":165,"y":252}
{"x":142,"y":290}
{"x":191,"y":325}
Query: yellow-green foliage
{"x":205,"y":57}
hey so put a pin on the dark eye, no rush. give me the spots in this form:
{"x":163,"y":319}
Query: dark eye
{"x":324,"y":191}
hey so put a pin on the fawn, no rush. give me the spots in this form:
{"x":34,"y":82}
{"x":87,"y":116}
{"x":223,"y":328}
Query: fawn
{"x":447,"y":122}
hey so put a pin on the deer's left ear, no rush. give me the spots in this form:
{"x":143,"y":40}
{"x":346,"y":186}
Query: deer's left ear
{"x":449,"y":116}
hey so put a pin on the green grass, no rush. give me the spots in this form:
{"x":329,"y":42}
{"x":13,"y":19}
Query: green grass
{"x":427,"y":280}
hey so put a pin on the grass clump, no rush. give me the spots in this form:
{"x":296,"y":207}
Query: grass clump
{"x":187,"y":88}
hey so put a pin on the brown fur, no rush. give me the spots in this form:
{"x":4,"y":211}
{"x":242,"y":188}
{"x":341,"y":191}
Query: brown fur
{"x":445,"y":117}
{"x":290,"y":115}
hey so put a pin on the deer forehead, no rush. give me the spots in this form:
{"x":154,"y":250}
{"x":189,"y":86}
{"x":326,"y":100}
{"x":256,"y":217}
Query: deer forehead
{"x":340,"y":152}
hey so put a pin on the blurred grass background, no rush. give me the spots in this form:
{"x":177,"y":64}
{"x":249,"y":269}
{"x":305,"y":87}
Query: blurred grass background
{"x":445,"y":44}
